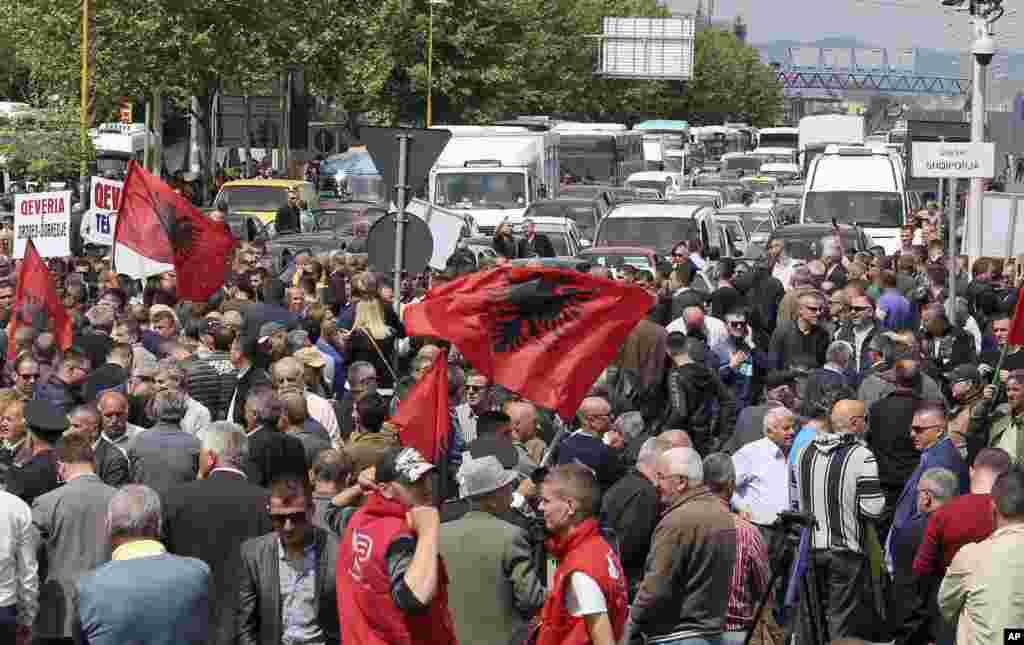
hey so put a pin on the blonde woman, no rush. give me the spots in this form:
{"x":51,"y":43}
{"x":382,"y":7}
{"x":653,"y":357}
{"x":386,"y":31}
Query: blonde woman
{"x":375,"y":332}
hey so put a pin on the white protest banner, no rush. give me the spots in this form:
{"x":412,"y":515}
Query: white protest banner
{"x":46,"y":218}
{"x":100,"y":221}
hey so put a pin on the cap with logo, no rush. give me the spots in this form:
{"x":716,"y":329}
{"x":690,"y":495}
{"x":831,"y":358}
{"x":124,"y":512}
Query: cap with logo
{"x":405,"y":463}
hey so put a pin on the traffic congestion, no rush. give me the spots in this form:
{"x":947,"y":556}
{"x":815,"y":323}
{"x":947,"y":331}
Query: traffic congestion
{"x":669,"y":378}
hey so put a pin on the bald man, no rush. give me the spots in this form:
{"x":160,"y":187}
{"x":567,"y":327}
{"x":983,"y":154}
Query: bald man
{"x":676,"y":439}
{"x":586,"y":445}
{"x":524,"y":429}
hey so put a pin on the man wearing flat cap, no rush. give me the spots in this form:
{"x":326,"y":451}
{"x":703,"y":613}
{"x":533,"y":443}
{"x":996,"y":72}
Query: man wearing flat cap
{"x":38,"y":475}
{"x":495,"y":586}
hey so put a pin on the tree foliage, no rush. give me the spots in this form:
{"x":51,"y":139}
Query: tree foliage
{"x":45,"y":148}
{"x":730,"y":83}
{"x":490,"y":57}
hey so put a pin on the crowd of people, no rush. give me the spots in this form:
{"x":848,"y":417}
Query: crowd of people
{"x":820,"y":451}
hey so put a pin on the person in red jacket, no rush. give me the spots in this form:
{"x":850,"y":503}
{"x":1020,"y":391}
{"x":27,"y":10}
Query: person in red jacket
{"x":588,"y":601}
{"x":392,"y":584}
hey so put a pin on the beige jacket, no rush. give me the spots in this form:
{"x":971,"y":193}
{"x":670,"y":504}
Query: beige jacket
{"x":983,"y":591}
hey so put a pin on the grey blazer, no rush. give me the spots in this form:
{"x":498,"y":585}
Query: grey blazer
{"x":259,"y":605}
{"x":71,"y":521}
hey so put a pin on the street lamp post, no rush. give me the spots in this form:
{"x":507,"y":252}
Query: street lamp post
{"x":430,"y":61}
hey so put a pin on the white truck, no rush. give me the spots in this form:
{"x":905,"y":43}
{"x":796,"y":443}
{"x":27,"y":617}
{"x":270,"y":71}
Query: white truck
{"x":118,"y":143}
{"x":818,"y":131}
{"x":495,"y":175}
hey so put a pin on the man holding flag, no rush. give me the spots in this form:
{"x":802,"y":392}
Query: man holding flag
{"x":35,"y":296}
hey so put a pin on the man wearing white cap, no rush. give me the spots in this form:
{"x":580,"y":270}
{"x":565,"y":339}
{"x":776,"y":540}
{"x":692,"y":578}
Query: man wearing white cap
{"x":495,"y":588}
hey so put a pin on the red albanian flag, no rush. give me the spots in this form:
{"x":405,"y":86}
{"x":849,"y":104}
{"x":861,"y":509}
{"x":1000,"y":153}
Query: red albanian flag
{"x":35,"y":294}
{"x":545,"y":333}
{"x":422,"y":415}
{"x":1017,"y":326}
{"x":158,"y":230}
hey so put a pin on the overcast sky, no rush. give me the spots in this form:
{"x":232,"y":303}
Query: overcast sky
{"x":884,"y":23}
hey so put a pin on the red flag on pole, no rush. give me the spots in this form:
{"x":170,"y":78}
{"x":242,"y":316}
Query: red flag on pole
{"x":34,"y":294}
{"x":422,"y":416}
{"x":545,"y":333}
{"x":158,"y":230}
{"x":1017,"y":326}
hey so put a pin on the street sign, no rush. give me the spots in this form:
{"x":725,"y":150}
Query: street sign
{"x":424,"y":149}
{"x":46,"y":219}
{"x":945,"y":160}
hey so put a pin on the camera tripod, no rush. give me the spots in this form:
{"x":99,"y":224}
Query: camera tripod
{"x":787,"y":532}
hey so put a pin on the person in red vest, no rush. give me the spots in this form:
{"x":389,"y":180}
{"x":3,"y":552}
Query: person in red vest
{"x":392,"y":583}
{"x":588,"y":601}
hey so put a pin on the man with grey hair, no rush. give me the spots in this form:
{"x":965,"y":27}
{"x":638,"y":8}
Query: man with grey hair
{"x":630,"y":508}
{"x":144,"y":594}
{"x":289,"y":374}
{"x":495,"y":585}
{"x":762,"y":475}
{"x":271,"y":451}
{"x":165,"y":454}
{"x":210,"y":518}
{"x":751,"y":574}
{"x":169,"y":375}
{"x":913,"y":614}
{"x":685,"y":591}
{"x":362,"y":383}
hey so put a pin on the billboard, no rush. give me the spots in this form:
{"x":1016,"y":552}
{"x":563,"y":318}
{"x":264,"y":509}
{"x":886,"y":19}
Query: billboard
{"x":836,"y":59}
{"x":647,"y":48}
{"x":869,"y":60}
{"x":805,"y":57}
{"x":902,"y":60}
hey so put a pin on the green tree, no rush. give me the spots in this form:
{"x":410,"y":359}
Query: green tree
{"x":730,"y":83}
{"x":46,"y":149}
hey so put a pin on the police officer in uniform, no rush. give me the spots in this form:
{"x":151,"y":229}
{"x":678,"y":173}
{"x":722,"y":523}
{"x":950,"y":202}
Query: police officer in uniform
{"x":38,"y":475}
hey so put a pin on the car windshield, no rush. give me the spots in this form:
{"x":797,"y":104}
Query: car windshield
{"x":615,"y":259}
{"x":864,"y":208}
{"x":807,"y":245}
{"x":655,"y":232}
{"x":653,"y":184}
{"x":255,"y":198}
{"x":481,"y":190}
{"x":558,"y":241}
{"x":750,"y":218}
{"x":583,"y":214}
{"x":582,"y":190}
{"x":743,"y":163}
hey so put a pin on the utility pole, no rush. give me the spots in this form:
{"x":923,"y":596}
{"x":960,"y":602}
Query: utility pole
{"x":983,"y":14}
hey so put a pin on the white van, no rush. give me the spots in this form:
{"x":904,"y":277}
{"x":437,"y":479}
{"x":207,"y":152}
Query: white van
{"x":858,"y":186}
{"x":659,"y":226}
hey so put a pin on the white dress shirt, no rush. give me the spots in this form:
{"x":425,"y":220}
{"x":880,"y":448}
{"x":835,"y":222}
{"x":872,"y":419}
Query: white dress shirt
{"x":321,"y":409}
{"x":467,"y":421}
{"x":714,"y":329}
{"x":19,"y":571}
{"x":762,"y":480}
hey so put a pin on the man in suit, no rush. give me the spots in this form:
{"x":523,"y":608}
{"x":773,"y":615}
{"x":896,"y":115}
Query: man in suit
{"x":249,"y":376}
{"x":211,"y":517}
{"x":495,"y":589}
{"x":71,"y":525}
{"x":271,"y":452}
{"x":535,"y":244}
{"x":298,"y":554}
{"x":110,"y":461}
{"x":144,"y":594}
{"x":165,"y":455}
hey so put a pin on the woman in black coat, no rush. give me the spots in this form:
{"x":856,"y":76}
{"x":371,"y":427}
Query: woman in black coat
{"x":505,"y":242}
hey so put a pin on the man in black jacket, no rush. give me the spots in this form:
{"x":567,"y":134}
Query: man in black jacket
{"x":110,"y":460}
{"x":296,"y":549}
{"x":211,"y":517}
{"x":248,"y":376}
{"x":535,"y":244}
{"x":631,"y":509}
{"x":692,"y":388}
{"x":271,"y":452}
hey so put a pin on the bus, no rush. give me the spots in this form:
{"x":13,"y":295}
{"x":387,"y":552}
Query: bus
{"x":666,"y":145}
{"x":600,"y":156}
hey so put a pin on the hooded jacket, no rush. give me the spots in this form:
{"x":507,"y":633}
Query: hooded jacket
{"x":692,"y":388}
